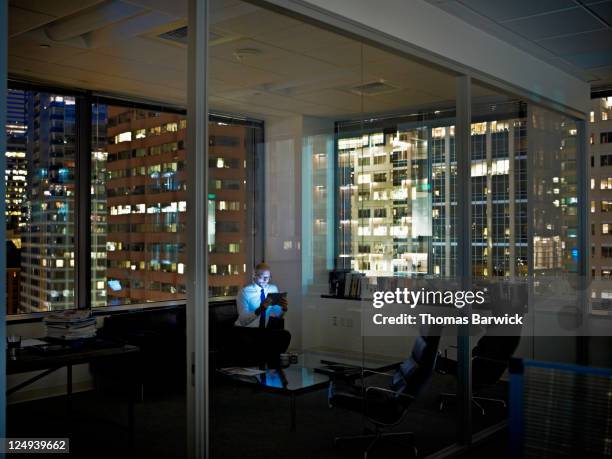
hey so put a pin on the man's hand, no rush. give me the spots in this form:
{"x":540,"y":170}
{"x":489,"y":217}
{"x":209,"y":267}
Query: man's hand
{"x":284,"y":303}
{"x":265,"y":304}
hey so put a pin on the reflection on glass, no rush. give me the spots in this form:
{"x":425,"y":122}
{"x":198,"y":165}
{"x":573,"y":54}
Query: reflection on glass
{"x":139,"y":205}
{"x":397,"y":201}
{"x":553,"y":146}
{"x":385,"y":202}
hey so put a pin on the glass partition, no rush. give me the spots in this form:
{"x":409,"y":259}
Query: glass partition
{"x":359,"y":198}
{"x":139,"y":204}
{"x":525,"y":242}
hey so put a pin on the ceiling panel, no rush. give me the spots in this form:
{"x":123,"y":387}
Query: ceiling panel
{"x":579,"y":43}
{"x":573,"y":35}
{"x":574,"y":20}
{"x":173,"y":7}
{"x":256,"y":23}
{"x":298,"y":69}
{"x":345,"y":55}
{"x":602,"y":73}
{"x":341,"y":101}
{"x":603,"y":10}
{"x":125,"y":68}
{"x":22,"y":46}
{"x":55,"y":8}
{"x":60,"y":74}
{"x":592,"y":60}
{"x":503,"y":10}
{"x":21,"y":20}
{"x":303,"y":38}
{"x":241,"y":75}
{"x":148,"y":51}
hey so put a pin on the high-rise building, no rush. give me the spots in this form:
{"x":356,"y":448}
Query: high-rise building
{"x":600,"y":196}
{"x":146,"y":207}
{"x":230,"y":150}
{"x":98,"y":204}
{"x":146,"y":203}
{"x":47,"y":257}
{"x":16,"y":179}
{"x":16,"y":163}
{"x":397,"y":197}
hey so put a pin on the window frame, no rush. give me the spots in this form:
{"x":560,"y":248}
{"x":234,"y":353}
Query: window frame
{"x":84,"y":101}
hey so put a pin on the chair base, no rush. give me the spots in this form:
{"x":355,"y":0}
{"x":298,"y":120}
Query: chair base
{"x":476,"y":401}
{"x":376,"y":437}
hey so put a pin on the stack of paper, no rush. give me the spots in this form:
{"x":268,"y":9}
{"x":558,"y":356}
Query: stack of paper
{"x":71,"y":325}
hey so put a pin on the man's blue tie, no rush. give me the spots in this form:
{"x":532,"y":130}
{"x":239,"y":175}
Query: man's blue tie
{"x":262,"y":314}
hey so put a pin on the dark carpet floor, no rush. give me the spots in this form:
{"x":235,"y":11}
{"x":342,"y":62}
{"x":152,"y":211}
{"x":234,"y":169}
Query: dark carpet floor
{"x":245,"y":423}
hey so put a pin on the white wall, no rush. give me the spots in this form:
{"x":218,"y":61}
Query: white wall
{"x":283,"y":214}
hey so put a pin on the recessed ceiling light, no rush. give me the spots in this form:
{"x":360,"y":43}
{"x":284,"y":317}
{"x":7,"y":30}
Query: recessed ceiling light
{"x":45,"y":46}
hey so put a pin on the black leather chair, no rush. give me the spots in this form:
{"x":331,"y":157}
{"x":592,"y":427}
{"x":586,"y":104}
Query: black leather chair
{"x":385,"y":407}
{"x":227,"y":342}
{"x":490,"y":360}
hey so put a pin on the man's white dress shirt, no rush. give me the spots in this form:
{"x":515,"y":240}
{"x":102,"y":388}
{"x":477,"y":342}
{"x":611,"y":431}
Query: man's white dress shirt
{"x":249,"y":299}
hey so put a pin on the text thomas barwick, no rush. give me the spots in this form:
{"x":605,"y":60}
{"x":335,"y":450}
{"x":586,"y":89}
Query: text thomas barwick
{"x":429,"y":319}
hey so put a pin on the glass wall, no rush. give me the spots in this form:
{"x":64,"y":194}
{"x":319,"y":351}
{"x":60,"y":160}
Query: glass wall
{"x":524,"y":241}
{"x":359,"y":197}
{"x":337,"y":163}
{"x":599,"y":272}
{"x":139,"y":205}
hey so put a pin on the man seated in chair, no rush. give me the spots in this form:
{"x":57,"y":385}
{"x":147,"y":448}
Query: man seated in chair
{"x":260,"y":324}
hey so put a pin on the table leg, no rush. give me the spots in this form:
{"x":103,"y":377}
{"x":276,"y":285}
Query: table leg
{"x":131,"y":398}
{"x":292,"y":412}
{"x":69,"y":388}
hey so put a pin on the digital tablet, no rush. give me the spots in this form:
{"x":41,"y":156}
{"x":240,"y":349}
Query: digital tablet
{"x":276,"y":297}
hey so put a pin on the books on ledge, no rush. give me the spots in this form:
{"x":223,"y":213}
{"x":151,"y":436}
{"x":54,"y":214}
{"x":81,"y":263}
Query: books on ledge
{"x":71,"y":325}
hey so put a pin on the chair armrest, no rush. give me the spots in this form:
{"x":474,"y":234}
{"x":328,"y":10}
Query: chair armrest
{"x":382,"y":389}
{"x":371,"y":389}
{"x":374,"y":372}
{"x":356,"y":372}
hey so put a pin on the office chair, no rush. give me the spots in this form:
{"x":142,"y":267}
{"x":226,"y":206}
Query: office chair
{"x":385,"y":407}
{"x":490,"y":360}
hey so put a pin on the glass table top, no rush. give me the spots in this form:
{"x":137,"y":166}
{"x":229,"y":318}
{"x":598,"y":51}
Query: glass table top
{"x":292,"y":378}
{"x":312,"y":372}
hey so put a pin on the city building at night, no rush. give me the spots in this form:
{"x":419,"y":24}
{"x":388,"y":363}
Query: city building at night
{"x":600,"y":197}
{"x":397,"y":198}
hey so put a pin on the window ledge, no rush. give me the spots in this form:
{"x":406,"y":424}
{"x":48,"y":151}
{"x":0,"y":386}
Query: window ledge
{"x":108,"y":310}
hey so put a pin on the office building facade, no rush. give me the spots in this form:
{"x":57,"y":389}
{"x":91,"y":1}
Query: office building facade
{"x":146,"y":204}
{"x":16,"y":164}
{"x":47,"y":239}
{"x":600,"y":197}
{"x":397,"y":199}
